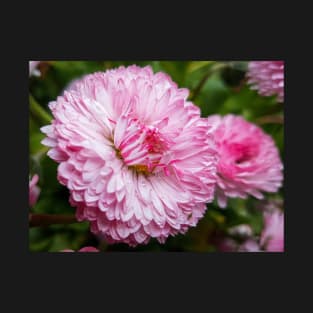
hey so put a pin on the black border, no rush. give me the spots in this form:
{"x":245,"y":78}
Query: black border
{"x":132,"y":278}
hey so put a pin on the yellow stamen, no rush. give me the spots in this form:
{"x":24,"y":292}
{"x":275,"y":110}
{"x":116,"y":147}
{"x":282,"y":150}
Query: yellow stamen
{"x":140,"y":168}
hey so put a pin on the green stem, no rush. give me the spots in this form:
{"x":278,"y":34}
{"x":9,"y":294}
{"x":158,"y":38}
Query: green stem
{"x":38,"y":112}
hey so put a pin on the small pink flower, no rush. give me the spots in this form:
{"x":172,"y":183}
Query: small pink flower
{"x":138,"y":159}
{"x":249,"y":245}
{"x":32,"y":68}
{"x":34,"y":190}
{"x":249,"y":160}
{"x":84,"y":249}
{"x":267,"y":77}
{"x":272,"y":237}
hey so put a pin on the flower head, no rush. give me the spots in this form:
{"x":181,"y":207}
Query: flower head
{"x":267,"y":77}
{"x":34,"y":190}
{"x":136,"y":156}
{"x":272,"y":237}
{"x":249,"y":160}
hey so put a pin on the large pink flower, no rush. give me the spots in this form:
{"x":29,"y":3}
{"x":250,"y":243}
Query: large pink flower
{"x":267,"y":77}
{"x":249,"y":160}
{"x":34,"y":190}
{"x":272,"y":237}
{"x":136,"y":156}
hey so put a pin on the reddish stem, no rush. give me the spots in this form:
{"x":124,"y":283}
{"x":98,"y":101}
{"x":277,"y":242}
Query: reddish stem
{"x":36,"y":220}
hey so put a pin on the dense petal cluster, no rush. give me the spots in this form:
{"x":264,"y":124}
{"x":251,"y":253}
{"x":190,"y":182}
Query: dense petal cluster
{"x":136,"y":156}
{"x":267,"y":77}
{"x":272,"y":237}
{"x":249,"y":160}
{"x":34,"y":190}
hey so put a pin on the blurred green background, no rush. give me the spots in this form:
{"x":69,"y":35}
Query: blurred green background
{"x":217,"y":87}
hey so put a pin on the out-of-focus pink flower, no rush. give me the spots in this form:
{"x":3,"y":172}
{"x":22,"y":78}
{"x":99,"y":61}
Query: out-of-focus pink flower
{"x":138,"y":159}
{"x":267,"y":77}
{"x":34,"y":190}
{"x":249,"y":160}
{"x":84,"y":249}
{"x":231,"y":245}
{"x":32,"y":68}
{"x":249,"y":245}
{"x":272,"y":237}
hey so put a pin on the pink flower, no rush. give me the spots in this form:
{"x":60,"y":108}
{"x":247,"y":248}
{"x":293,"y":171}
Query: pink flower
{"x":34,"y":190}
{"x":32,"y":68}
{"x":249,"y":160}
{"x":250,"y":245}
{"x":84,"y":249}
{"x":267,"y":77}
{"x":136,"y":156}
{"x":272,"y":237}
{"x":231,"y":245}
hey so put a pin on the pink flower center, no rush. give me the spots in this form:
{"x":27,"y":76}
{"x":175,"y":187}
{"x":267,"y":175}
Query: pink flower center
{"x":235,"y":154}
{"x":142,"y":147}
{"x":244,"y":153}
{"x":241,"y":152}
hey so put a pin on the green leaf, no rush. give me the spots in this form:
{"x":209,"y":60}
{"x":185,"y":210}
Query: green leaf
{"x":212,"y":96}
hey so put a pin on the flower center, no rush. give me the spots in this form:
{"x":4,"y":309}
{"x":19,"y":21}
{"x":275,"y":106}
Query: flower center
{"x":242,"y":152}
{"x":142,"y":147}
{"x":140,"y":168}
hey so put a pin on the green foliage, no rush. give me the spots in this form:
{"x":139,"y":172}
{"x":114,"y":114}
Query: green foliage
{"x":216,"y":87}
